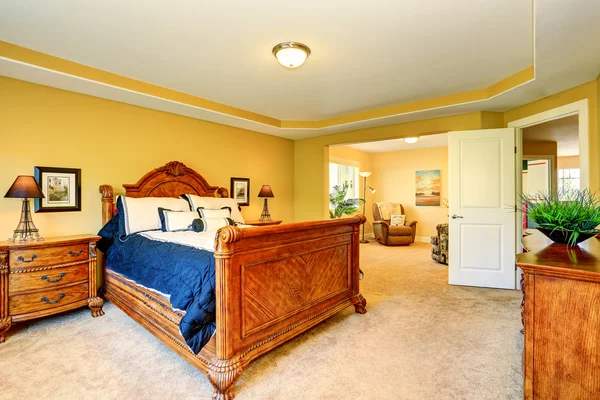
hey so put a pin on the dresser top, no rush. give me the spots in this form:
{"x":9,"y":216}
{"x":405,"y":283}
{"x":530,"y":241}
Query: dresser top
{"x":49,"y":242}
{"x":558,"y":259}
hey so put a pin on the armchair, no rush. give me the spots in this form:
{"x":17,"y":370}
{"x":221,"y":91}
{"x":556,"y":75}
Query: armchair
{"x":392,"y":235}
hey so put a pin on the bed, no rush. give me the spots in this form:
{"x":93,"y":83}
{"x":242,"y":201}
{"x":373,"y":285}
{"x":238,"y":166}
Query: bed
{"x":271,"y":283}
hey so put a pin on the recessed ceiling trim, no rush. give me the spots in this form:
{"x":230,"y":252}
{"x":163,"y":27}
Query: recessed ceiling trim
{"x":265,"y":124}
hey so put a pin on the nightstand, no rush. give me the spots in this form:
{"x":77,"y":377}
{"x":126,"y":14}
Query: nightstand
{"x":38,"y":279}
{"x":265,"y":223}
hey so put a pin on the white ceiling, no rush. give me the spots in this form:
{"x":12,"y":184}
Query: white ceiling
{"x":364,"y":57}
{"x":563,"y":131}
{"x":437,"y":140}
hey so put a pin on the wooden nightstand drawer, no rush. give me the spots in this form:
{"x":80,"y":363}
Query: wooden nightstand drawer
{"x":48,"y":279}
{"x":46,"y":299}
{"x":43,"y":257}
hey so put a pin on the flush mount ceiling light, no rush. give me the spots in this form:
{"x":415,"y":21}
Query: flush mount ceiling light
{"x":291,"y":54}
{"x":411,"y":140}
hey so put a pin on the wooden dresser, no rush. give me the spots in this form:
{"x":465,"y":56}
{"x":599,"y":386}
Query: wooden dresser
{"x":43,"y":278}
{"x":561,"y":316}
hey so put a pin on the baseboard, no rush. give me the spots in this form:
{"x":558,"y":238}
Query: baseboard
{"x":423,"y":239}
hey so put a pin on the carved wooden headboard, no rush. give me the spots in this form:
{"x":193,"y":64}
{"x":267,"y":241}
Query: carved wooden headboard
{"x":170,"y":180}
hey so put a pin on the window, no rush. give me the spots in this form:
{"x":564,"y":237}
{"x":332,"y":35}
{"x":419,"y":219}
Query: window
{"x":568,"y":180}
{"x":340,"y":173}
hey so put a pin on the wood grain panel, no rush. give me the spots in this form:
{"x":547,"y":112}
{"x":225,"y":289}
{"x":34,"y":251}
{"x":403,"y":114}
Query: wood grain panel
{"x":275,"y":289}
{"x":41,"y":257}
{"x":48,"y":279}
{"x":567,"y":339}
{"x":47,"y":299}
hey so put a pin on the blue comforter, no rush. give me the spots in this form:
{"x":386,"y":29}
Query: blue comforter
{"x":185,"y":273}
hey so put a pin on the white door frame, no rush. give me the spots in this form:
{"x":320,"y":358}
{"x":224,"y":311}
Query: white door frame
{"x":577,"y":108}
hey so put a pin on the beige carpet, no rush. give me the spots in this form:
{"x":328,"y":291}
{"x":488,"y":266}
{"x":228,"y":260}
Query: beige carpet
{"x":421,"y":339}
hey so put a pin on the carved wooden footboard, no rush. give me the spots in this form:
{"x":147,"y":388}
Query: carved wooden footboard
{"x":272,"y":283}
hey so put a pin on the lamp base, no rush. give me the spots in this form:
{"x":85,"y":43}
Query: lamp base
{"x":364,"y":241}
{"x":265,"y":216}
{"x":26,"y":230}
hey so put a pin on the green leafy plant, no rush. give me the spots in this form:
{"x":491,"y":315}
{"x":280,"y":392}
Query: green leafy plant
{"x":574,"y":212}
{"x":340,"y":204}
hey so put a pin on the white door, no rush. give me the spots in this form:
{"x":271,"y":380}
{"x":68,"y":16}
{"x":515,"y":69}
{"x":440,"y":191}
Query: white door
{"x":481,"y":192}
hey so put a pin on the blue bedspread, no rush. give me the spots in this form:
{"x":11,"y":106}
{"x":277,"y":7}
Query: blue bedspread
{"x":185,"y":273}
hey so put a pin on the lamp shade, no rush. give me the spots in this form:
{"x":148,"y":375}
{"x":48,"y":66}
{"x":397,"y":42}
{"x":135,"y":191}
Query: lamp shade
{"x":265,"y":191}
{"x":364,"y":174}
{"x":25,"y":187}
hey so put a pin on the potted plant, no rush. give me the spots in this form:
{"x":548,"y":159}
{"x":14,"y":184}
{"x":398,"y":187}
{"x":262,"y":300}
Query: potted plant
{"x":570,"y":217}
{"x":341,"y":205}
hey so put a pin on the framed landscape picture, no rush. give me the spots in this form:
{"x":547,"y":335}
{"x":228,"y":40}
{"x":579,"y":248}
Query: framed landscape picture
{"x":240,"y":191}
{"x":428,"y":188}
{"x":61,"y":188}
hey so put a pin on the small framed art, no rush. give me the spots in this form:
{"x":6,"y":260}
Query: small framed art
{"x":61,"y":188}
{"x":240,"y":190}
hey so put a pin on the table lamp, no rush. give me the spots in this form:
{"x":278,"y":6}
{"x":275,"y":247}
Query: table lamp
{"x":265,"y":192}
{"x":25,"y":187}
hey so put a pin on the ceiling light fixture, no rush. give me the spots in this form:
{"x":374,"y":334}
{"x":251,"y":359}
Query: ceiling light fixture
{"x":291,"y":54}
{"x":411,"y":140}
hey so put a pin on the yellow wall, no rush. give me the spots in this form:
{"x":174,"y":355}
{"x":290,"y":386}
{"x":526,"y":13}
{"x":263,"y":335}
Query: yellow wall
{"x":311,"y":155}
{"x":115,"y":143}
{"x":588,"y":90}
{"x":364,"y":159}
{"x":394,"y":178}
{"x":568,"y":162}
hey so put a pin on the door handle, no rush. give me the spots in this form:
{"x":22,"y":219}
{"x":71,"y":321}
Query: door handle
{"x":454,"y":216}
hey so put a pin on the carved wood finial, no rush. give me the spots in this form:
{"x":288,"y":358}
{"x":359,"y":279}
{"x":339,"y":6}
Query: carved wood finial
{"x":174,"y":168}
{"x":360,"y":304}
{"x":107,"y":191}
{"x":229,"y":234}
{"x":223,"y":374}
{"x":95,"y":304}
{"x":363,"y":219}
{"x":5,"y":324}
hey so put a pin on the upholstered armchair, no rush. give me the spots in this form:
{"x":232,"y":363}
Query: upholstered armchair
{"x":392,"y":235}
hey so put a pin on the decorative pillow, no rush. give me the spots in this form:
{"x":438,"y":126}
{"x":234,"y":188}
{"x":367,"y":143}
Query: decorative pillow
{"x":224,"y":212}
{"x":397,"y":220}
{"x":210,"y":224}
{"x":214,"y":203}
{"x":140,"y":215}
{"x":174,"y":221}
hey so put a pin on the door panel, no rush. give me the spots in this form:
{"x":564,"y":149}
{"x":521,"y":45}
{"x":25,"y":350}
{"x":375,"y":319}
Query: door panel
{"x":481,"y":192}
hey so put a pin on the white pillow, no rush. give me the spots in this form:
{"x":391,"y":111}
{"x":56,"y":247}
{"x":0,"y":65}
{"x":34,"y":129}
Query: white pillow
{"x":173,"y":221}
{"x":141,"y":214}
{"x":214,"y":203}
{"x":210,"y":224}
{"x":224,"y":212}
{"x":397,"y":220}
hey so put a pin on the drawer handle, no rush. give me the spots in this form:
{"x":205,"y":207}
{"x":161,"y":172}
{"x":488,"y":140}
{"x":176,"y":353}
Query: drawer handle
{"x":33,"y":257}
{"x":76,"y":254}
{"x":60,"y":297}
{"x":62,"y":275}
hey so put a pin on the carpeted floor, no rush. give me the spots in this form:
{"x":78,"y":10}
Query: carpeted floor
{"x":421,"y":339}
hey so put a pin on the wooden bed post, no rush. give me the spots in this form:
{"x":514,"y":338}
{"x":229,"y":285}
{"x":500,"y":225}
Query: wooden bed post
{"x":108,"y":203}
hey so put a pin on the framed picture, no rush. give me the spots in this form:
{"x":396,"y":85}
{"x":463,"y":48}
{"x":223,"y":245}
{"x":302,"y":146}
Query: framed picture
{"x":61,"y":188}
{"x":240,"y":191}
{"x":428,"y":188}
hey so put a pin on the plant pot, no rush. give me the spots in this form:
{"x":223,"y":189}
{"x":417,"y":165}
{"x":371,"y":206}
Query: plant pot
{"x":562,"y":236}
